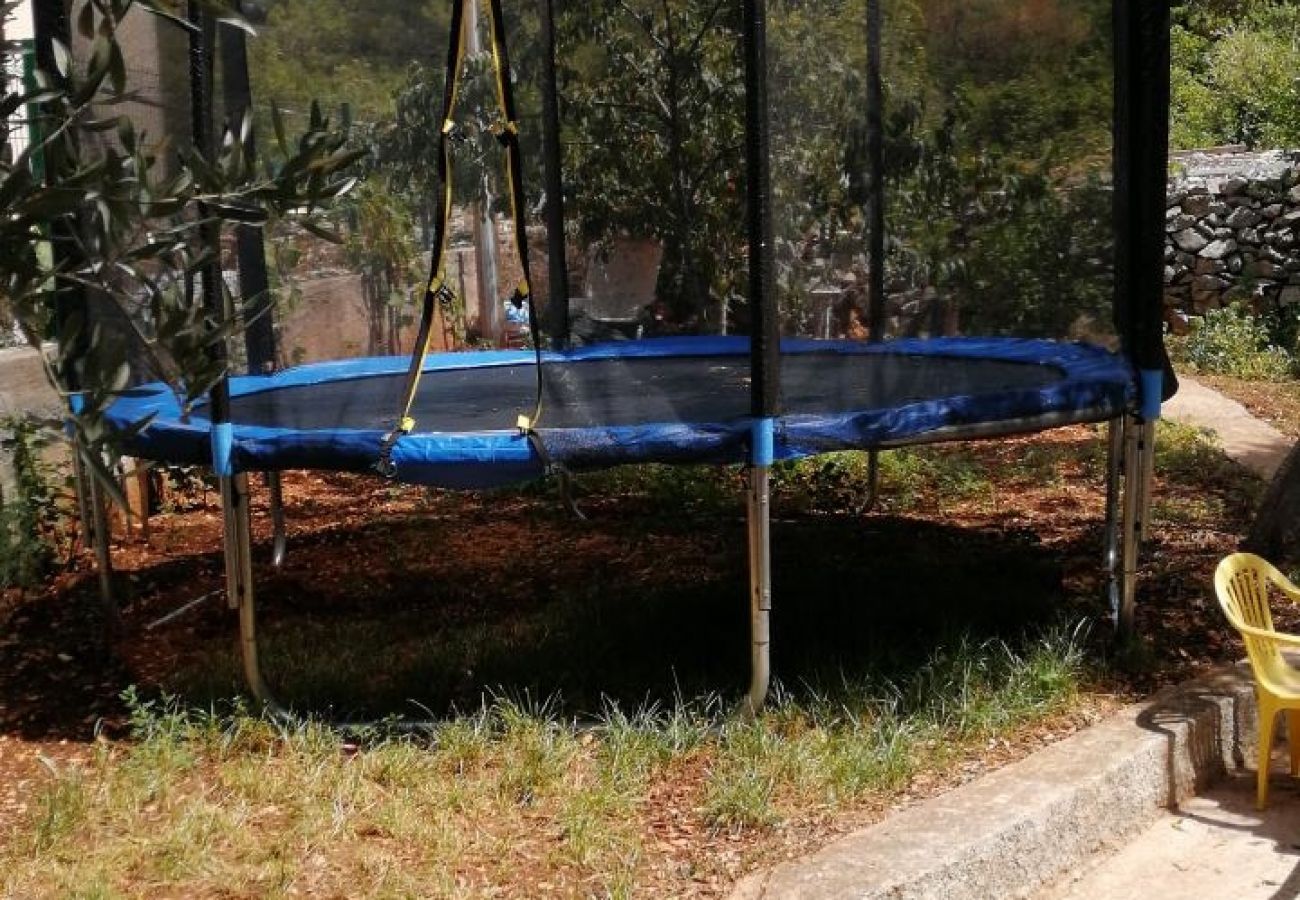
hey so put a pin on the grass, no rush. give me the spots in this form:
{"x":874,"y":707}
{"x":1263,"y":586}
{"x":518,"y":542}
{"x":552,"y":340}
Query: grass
{"x":511,"y":796}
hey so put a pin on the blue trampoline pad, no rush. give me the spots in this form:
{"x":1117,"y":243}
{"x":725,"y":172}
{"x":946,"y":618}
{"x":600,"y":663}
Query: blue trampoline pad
{"x":662,"y":400}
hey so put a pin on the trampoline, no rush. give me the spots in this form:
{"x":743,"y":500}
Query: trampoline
{"x":667,"y":400}
{"x":846,"y":263}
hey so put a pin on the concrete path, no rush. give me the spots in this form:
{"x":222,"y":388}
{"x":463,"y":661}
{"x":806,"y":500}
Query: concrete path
{"x":1255,"y":444}
{"x":1216,"y":845}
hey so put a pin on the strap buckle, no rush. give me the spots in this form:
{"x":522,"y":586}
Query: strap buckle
{"x":504,"y":130}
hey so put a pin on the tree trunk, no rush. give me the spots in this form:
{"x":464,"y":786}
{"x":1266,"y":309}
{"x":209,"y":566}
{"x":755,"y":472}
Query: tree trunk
{"x":1276,"y":531}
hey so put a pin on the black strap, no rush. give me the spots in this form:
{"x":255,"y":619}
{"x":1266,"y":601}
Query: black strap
{"x":438,"y":292}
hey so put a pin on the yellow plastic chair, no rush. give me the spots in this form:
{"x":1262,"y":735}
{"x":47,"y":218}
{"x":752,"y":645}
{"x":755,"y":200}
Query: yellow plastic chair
{"x":1242,"y":582}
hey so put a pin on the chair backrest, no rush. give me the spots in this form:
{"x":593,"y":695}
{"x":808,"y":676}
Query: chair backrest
{"x":1242,"y":584}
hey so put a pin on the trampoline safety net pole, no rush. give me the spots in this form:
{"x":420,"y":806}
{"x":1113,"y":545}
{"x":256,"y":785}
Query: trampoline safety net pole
{"x":1142,"y":92}
{"x":233,"y":485}
{"x":765,"y":347}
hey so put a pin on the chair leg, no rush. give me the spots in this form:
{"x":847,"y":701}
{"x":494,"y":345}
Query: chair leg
{"x":1293,"y":738}
{"x":1267,"y":723}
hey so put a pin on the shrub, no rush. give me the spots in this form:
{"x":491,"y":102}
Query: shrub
{"x":1231,"y":341}
{"x":28,"y":515}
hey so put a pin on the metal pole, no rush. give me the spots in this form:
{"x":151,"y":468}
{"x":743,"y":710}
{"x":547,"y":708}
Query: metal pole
{"x":280,"y":546}
{"x":760,"y":589}
{"x":239,"y":584}
{"x":1131,"y":527}
{"x":1111,"y":559}
{"x":557,"y":309}
{"x":1146,"y":470}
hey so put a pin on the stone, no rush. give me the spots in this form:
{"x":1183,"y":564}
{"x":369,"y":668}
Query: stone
{"x":1170,"y":274}
{"x":1235,"y":264}
{"x":1223,"y":233}
{"x":1290,"y":295}
{"x":1198,"y":204}
{"x":1208,"y":265}
{"x":1169,"y":252}
{"x":1263,"y":268}
{"x":1231,"y":187}
{"x":1294,"y":194}
{"x":1291,"y":218}
{"x":1249,"y":236}
{"x":1272,"y":211}
{"x":1180,"y":222}
{"x":1204,"y":301}
{"x":1209,"y":283}
{"x":1186,"y":260}
{"x":1189,"y":240}
{"x":1242,"y":217}
{"x":1220,"y":249}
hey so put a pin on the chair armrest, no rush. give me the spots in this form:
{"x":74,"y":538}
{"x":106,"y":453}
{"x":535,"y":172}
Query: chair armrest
{"x":1283,"y":584}
{"x":1280,"y":637}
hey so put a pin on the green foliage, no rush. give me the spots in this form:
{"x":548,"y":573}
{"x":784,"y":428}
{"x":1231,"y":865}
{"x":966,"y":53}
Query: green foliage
{"x":1232,"y":341}
{"x":382,"y":248}
{"x":337,"y":52}
{"x":29,"y":515}
{"x":1235,"y":76}
{"x":655,"y":93}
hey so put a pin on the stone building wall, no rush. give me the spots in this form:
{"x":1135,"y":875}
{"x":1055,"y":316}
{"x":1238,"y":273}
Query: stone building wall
{"x":1232,"y":232}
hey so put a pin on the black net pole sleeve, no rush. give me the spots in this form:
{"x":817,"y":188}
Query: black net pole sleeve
{"x":557,"y":303}
{"x":202,"y":37}
{"x":254,"y":284}
{"x":1142,"y":57}
{"x":50,"y":24}
{"x":765,"y":341}
{"x":876,"y":163}
{"x":515,"y":177}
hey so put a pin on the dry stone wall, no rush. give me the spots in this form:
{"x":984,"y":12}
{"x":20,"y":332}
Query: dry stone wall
{"x":1232,"y":232}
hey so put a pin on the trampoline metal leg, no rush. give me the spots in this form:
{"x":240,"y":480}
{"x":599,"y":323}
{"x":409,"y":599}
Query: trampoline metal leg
{"x":1146,"y":472}
{"x":1111,"y":561}
{"x":239,"y":584}
{"x":280,"y":546}
{"x":1131,"y":522}
{"x":873,"y":480}
{"x":760,"y":588}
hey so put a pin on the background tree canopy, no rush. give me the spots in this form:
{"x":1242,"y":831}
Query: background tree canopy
{"x":1236,"y":74}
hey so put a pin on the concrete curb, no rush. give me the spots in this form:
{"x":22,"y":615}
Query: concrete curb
{"x":1015,"y":831}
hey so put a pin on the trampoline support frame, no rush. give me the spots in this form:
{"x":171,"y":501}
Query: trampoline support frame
{"x":1138,"y":443}
{"x":240,"y":592}
{"x":759,"y":520}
